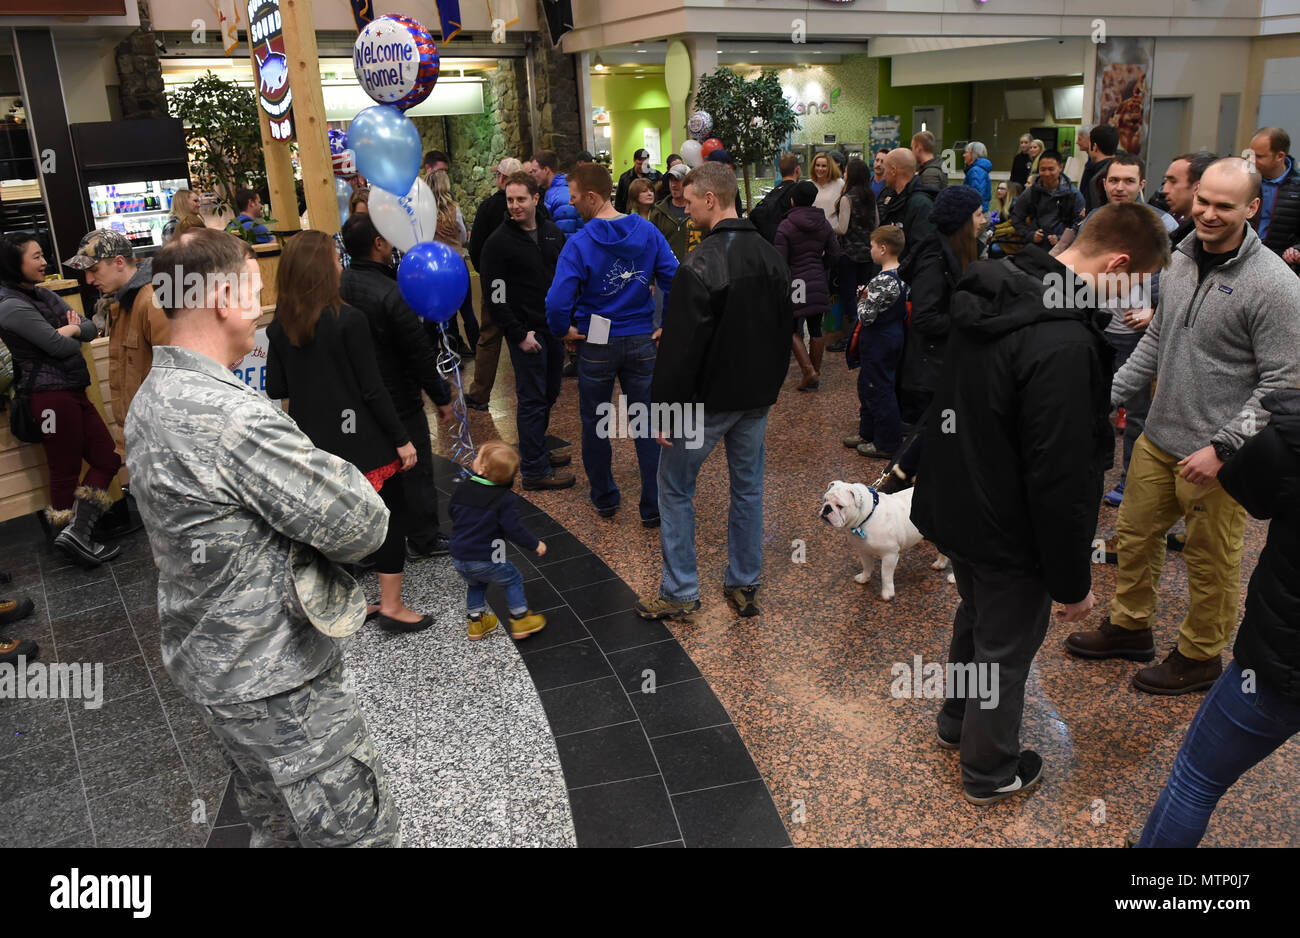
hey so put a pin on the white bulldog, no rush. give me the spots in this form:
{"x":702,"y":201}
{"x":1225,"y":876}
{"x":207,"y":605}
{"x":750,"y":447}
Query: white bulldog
{"x":878,"y":525}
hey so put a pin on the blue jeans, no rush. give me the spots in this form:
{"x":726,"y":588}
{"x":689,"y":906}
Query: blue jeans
{"x":1233,"y":730}
{"x":878,"y":418}
{"x":630,"y":359}
{"x":678,"y":468}
{"x":537,"y":386}
{"x":480,"y":574}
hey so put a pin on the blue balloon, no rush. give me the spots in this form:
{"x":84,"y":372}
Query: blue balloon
{"x":433,"y":279}
{"x":387,"y":147}
{"x":342,"y":192}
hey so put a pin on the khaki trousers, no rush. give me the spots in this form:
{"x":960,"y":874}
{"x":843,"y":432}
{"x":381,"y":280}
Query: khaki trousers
{"x":1155,"y":496}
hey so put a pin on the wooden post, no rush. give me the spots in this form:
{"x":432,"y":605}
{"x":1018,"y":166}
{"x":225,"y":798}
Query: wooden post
{"x":279,"y":168}
{"x":309,"y":114}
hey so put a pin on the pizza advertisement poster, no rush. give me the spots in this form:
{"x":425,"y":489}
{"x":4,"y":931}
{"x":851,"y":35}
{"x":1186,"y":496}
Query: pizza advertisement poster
{"x":1122,"y":97}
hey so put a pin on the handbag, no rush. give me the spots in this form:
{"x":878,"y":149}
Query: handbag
{"x":21,"y":422}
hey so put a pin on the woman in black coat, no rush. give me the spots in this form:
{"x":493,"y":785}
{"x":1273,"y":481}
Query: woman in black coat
{"x":1254,"y":707}
{"x":322,"y":359}
{"x":807,"y":242}
{"x":932,"y":276}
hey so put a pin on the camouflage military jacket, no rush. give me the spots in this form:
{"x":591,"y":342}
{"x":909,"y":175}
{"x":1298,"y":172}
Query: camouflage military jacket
{"x":245,"y":518}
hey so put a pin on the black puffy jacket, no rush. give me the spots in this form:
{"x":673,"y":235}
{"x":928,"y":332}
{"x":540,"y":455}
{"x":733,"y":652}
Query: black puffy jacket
{"x":909,"y":209}
{"x":726,"y":338}
{"x":1264,"y":476}
{"x":1284,"y":221}
{"x":1018,"y":440}
{"x":932,"y":276}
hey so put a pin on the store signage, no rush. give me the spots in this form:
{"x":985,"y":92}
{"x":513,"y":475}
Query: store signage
{"x":251,"y":369}
{"x":811,"y":100}
{"x":266,"y":38}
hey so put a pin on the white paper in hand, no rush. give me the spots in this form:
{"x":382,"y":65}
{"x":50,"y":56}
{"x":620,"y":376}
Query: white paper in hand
{"x":598,"y":331}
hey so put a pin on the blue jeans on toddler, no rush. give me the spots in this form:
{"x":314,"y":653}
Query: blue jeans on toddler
{"x":480,"y":574}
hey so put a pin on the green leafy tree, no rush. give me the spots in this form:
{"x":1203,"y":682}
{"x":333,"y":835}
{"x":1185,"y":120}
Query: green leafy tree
{"x":222,"y":135}
{"x":751,"y":118}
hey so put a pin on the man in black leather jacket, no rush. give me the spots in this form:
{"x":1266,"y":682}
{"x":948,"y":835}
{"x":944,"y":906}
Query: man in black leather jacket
{"x":723,"y":355}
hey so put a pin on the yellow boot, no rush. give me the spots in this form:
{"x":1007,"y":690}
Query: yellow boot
{"x":526,"y":624}
{"x":481,"y":625}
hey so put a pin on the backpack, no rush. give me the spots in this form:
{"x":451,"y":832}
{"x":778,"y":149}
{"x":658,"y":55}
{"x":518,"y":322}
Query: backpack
{"x":768,"y":213}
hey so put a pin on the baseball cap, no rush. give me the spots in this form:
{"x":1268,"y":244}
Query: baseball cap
{"x":509,"y":165}
{"x":641,"y":155}
{"x":100,"y":245}
{"x":584,"y":157}
{"x":719,"y":156}
{"x":679,"y":170}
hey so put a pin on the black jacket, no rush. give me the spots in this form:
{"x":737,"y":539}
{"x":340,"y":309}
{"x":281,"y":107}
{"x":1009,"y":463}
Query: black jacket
{"x":1094,"y":192}
{"x":624,"y":181}
{"x":1053,"y":210}
{"x":1284,"y":222}
{"x":481,"y":514}
{"x":331,"y":375}
{"x":407,"y":360}
{"x":1020,"y":169}
{"x":771,"y":210}
{"x":1018,"y":439}
{"x":491,"y":213}
{"x":726,"y":338}
{"x":516,"y":274}
{"x":910,"y":210}
{"x":29,"y":322}
{"x":1264,"y":476}
{"x":932,"y":277}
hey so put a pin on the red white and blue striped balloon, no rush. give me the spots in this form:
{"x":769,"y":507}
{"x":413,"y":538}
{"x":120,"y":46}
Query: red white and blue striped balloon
{"x":396,"y":61}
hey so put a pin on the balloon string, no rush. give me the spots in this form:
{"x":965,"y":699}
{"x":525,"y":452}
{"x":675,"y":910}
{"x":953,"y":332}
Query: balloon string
{"x":460,"y":441}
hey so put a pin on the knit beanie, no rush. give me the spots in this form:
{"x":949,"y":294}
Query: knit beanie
{"x":803,"y":193}
{"x":953,"y":206}
{"x":718,"y":156}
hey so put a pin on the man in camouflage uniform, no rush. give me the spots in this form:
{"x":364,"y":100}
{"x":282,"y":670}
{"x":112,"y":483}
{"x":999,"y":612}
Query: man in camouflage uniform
{"x":247,"y":520}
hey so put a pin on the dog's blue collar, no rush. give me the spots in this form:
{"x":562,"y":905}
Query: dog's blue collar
{"x":875,"y":501}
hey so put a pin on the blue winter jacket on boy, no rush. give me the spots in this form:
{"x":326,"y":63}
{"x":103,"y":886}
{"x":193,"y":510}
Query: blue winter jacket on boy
{"x":607,"y":269}
{"x":556,"y":200}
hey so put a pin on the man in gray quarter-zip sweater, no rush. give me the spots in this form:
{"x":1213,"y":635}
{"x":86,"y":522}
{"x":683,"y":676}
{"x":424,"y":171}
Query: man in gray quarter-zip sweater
{"x":1227,"y":330}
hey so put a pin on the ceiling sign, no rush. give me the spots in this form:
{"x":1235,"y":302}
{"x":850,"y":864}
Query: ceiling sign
{"x":266,"y":40}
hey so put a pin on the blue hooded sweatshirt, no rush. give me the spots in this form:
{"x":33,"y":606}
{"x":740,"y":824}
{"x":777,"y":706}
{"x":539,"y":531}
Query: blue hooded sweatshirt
{"x":556,"y":200}
{"x":607,"y":268}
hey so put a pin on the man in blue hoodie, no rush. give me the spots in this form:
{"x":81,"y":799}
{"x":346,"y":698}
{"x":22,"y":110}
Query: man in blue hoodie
{"x":555,"y":191}
{"x":606,"y":270}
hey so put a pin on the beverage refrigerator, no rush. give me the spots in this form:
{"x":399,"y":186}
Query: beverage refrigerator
{"x":130,"y":171}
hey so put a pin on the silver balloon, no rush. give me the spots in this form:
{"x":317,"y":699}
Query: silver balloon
{"x":460,"y":442}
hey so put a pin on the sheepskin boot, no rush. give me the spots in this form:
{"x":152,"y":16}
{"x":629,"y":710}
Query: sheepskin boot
{"x":75,"y":540}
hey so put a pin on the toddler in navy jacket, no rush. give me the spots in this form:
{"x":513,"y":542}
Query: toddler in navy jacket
{"x":484,"y":515}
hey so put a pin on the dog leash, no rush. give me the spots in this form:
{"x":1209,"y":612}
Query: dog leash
{"x":875,"y":502}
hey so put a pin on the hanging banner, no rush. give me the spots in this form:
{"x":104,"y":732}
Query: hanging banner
{"x":266,"y":42}
{"x":449,"y":18}
{"x":228,"y":21}
{"x":1122,"y":97}
{"x":507,"y":11}
{"x":884,"y":131}
{"x":363,"y":11}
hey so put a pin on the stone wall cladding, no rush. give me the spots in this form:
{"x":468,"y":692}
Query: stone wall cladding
{"x":141,"y":85}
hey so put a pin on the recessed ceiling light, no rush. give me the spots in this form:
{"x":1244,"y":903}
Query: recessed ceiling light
{"x":817,"y":51}
{"x":719,"y":51}
{"x":752,"y":52}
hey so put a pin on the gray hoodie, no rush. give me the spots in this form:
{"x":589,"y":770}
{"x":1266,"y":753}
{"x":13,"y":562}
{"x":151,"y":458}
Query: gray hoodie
{"x":1216,"y":348}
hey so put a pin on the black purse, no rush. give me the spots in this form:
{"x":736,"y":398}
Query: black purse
{"x":21,"y":422}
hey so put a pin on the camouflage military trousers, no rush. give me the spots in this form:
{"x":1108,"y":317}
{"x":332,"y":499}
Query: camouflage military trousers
{"x":306,"y":770}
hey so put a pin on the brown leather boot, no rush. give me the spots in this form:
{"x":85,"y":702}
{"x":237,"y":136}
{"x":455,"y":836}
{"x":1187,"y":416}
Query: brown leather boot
{"x":1178,"y":674}
{"x":556,"y":480}
{"x":1111,"y":641}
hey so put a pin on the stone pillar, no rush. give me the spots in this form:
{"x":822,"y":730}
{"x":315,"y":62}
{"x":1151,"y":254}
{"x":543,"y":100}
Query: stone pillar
{"x":141,"y":86}
{"x":559,"y":124}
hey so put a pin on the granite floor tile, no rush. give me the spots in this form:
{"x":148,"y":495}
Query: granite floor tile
{"x":626,"y":629}
{"x":107,"y":648}
{"x":600,"y":599}
{"x":88,"y":623}
{"x":662,"y":663}
{"x":573,"y":663}
{"x":50,"y":815}
{"x":35,"y":769}
{"x":704,"y":758}
{"x":203,"y":756}
{"x":81,"y":840}
{"x":235,"y":837}
{"x":103,"y":599}
{"x":93,"y":581}
{"x":188,"y":835}
{"x":733,"y":816}
{"x":145,"y":807}
{"x":560,"y":547}
{"x":580,"y":571}
{"x":32,"y":723}
{"x":585,"y":706}
{"x":139,"y":593}
{"x":690,"y":705}
{"x":228,"y":808}
{"x":541,"y":597}
{"x":116,"y":720}
{"x":123,"y":762}
{"x":562,"y":626}
{"x":624,"y":814}
{"x":611,"y":754}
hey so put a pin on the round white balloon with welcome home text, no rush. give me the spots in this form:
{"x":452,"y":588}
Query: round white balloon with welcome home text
{"x":386,"y":59}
